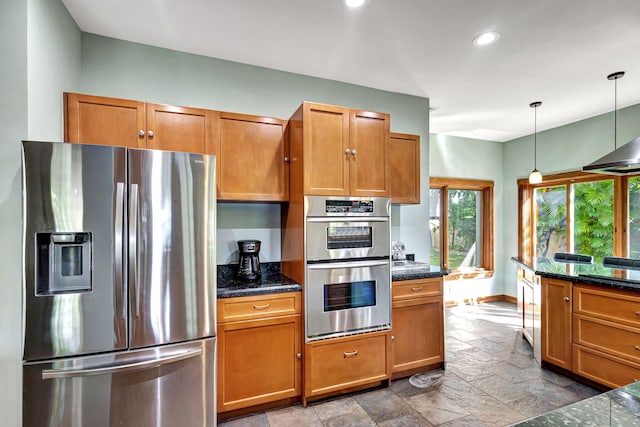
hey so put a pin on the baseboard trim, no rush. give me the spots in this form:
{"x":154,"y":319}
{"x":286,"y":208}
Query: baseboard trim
{"x":477,"y":300}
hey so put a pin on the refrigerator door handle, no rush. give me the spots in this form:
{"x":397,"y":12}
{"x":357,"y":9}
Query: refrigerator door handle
{"x":119,"y":229}
{"x":133,"y":246}
{"x":51,"y":374}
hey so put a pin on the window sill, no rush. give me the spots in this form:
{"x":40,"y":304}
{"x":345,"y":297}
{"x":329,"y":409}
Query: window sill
{"x":468,"y":274}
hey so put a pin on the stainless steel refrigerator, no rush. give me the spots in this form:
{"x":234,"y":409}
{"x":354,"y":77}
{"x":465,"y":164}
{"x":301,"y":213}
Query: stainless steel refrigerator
{"x":119,"y":291}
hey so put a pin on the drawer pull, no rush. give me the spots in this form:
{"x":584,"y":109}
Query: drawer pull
{"x":261,"y":307}
{"x":637,"y":313}
{"x":637,"y":347}
{"x":350,"y":354}
{"x":417,"y":289}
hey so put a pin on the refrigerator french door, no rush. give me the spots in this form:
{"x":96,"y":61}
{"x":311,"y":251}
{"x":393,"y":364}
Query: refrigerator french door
{"x":119,"y":286}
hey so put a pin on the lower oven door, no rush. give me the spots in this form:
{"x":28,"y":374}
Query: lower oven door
{"x":343,"y":298}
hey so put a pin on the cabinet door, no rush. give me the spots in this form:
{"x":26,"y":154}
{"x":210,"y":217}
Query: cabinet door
{"x":106,"y":121}
{"x":418,"y":333}
{"x":258,"y":362}
{"x":556,"y":322}
{"x":326,"y":150}
{"x":404,"y":168}
{"x":179,"y":129}
{"x":253,"y":158}
{"x":369,"y":142}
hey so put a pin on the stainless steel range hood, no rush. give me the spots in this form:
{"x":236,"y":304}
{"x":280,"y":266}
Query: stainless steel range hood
{"x":622,"y":161}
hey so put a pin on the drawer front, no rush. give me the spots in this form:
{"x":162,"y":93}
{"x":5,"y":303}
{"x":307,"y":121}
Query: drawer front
{"x":616,"y":306}
{"x":601,"y":368}
{"x":256,"y":307}
{"x":613,"y":338}
{"x":332,"y":366}
{"x":416,"y":289}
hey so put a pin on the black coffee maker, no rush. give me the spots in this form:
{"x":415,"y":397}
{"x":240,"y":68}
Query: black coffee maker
{"x":248,"y":259}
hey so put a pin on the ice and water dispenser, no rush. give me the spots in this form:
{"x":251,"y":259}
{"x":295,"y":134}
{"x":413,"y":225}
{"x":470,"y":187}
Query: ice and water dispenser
{"x":63,"y":262}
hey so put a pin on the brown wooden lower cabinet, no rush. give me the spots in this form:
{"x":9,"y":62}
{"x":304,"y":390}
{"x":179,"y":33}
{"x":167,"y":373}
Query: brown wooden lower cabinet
{"x":346,"y":363}
{"x":556,"y":322}
{"x":418,"y":325}
{"x":259,"y":357}
{"x":603,"y":334}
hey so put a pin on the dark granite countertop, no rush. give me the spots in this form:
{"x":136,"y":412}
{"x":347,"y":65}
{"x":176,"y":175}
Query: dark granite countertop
{"x":593,"y":274}
{"x":412,"y":270}
{"x":272,"y":281}
{"x":619,"y":407}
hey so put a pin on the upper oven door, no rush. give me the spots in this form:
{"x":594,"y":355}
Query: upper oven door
{"x":347,"y":238}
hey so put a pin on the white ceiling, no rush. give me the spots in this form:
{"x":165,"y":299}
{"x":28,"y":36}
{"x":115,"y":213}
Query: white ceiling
{"x":555,"y":51}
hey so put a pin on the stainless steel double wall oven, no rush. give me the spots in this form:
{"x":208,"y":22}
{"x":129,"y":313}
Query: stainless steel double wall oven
{"x":347,"y":266}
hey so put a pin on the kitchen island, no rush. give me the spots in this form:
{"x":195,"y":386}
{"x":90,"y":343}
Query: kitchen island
{"x":588,"y":317}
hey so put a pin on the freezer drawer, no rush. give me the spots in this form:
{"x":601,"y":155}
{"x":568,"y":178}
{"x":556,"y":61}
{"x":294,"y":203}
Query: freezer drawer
{"x":166,"y":386}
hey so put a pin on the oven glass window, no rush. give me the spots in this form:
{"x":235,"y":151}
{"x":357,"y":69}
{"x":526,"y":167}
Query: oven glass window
{"x":340,"y":296}
{"x":349,"y":237}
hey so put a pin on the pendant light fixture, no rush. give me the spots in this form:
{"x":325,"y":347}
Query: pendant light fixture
{"x":535,"y":177}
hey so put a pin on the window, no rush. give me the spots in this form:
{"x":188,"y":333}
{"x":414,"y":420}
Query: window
{"x":580,"y":212}
{"x":461,"y":225}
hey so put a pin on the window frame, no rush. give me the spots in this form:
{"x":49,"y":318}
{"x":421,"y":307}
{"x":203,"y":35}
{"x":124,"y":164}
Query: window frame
{"x":526,"y":214}
{"x":485,"y":187}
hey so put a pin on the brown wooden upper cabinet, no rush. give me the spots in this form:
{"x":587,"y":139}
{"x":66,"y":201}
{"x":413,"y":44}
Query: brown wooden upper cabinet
{"x":112,"y":121}
{"x":253,"y":162}
{"x":404,"y":166}
{"x":340,"y":151}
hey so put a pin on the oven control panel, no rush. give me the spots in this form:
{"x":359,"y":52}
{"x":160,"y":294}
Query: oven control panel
{"x":349,"y":206}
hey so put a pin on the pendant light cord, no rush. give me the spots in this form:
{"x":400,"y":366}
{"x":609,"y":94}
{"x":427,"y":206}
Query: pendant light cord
{"x":615,"y":114}
{"x":535,"y":141}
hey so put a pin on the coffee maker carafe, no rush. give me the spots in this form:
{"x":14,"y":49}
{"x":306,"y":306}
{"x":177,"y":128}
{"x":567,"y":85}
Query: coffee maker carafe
{"x":248,"y":259}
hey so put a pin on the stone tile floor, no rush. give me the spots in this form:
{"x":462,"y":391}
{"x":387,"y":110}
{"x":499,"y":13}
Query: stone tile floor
{"x":491,"y":379}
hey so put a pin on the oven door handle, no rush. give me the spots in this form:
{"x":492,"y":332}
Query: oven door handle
{"x":348,"y":219}
{"x":350,"y":264}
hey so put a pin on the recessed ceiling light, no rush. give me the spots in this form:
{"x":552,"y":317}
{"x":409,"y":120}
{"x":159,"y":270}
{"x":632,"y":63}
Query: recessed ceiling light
{"x":354,"y":3}
{"x":486,"y":38}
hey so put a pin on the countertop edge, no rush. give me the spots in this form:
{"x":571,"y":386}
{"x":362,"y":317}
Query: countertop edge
{"x":597,"y":281}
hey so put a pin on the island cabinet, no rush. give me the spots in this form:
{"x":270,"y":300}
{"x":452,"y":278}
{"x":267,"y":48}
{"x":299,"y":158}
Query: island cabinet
{"x":556,"y":322}
{"x":404,"y":167}
{"x":337,"y":151}
{"x":253,"y":157}
{"x":259,"y":350}
{"x":111,"y":121}
{"x":340,"y":365}
{"x":606,"y":334}
{"x":418,"y":326}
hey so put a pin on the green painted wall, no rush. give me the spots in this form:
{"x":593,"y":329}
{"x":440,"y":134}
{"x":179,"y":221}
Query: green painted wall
{"x":565,"y":148}
{"x":128,"y":70}
{"x":456,"y":157}
{"x":53,"y":54}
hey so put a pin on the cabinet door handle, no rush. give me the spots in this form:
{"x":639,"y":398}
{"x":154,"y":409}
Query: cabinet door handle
{"x":350,"y":354}
{"x":566,"y":299}
{"x":637,"y":313}
{"x":140,"y":133}
{"x":417,"y":289}
{"x":347,"y":152}
{"x":150,"y":134}
{"x":299,"y":356}
{"x":261,"y":307}
{"x":353,"y":153}
{"x":637,"y":347}
{"x":286,"y":160}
